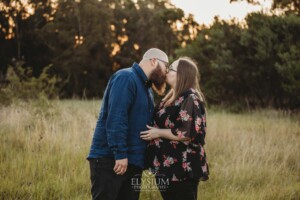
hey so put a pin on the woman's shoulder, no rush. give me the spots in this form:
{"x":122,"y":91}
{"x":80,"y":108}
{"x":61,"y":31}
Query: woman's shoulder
{"x":191,"y":94}
{"x":193,"y":100}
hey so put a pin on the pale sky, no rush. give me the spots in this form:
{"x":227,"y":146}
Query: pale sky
{"x":205,"y":10}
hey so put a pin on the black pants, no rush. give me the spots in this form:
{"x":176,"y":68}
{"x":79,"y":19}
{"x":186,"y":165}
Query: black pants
{"x":107,"y":185}
{"x":180,"y":190}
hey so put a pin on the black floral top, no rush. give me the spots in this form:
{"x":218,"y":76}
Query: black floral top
{"x":177,"y":160}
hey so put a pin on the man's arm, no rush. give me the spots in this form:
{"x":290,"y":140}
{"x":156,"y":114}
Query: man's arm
{"x":121,"y":97}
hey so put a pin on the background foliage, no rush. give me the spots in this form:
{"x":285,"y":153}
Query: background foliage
{"x":252,"y":155}
{"x":251,"y":64}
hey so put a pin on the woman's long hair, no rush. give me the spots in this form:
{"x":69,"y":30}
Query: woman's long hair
{"x":188,"y":76}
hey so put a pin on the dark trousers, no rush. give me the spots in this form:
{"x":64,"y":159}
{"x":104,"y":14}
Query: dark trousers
{"x":107,"y":185}
{"x":180,"y":190}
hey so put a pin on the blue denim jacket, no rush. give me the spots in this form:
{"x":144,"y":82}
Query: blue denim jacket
{"x":127,"y":107}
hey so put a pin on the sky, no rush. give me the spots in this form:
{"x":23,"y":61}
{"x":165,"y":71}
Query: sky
{"x":205,"y":10}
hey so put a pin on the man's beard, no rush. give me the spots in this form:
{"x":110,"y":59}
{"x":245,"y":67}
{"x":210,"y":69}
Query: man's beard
{"x":158,"y":79}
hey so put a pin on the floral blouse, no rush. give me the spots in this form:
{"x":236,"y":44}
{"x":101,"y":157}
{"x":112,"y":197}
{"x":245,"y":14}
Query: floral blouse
{"x":178,"y":160}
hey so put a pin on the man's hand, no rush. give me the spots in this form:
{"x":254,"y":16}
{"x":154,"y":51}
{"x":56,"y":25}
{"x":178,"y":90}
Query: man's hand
{"x":121,"y":166}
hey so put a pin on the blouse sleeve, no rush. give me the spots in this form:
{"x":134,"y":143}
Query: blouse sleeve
{"x":191,"y":120}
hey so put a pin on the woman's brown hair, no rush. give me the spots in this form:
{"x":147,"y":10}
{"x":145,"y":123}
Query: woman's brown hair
{"x":188,"y":76}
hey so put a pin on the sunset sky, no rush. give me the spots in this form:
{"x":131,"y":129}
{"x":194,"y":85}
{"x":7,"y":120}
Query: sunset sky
{"x":205,"y":10}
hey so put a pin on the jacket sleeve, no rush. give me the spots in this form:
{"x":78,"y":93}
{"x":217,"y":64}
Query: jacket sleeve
{"x":121,"y":97}
{"x":191,"y":120}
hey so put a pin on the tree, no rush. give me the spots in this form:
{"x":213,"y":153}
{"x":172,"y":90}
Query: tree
{"x":80,"y":45}
{"x":90,"y":40}
{"x":20,"y":22}
{"x":287,"y":6}
{"x":215,"y":50}
{"x":255,"y":65}
{"x":86,"y":41}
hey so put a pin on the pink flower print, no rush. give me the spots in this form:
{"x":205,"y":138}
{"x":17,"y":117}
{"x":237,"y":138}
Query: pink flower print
{"x":161,"y":104}
{"x":202,"y":151}
{"x":155,"y":162}
{"x":183,"y":113}
{"x":204,"y":119}
{"x":184,"y":116}
{"x":174,"y":178}
{"x":174,"y":144}
{"x":184,"y":156}
{"x":181,"y":134}
{"x":161,"y":112}
{"x":178,"y":102}
{"x":168,"y":123}
{"x":171,"y":124}
{"x":204,"y":168}
{"x":196,"y":103}
{"x":198,"y":120}
{"x":189,"y":168}
{"x":169,"y":161}
{"x":198,"y":124}
{"x":151,"y":143}
{"x":186,"y":166}
{"x":156,"y":142}
{"x":197,"y":128}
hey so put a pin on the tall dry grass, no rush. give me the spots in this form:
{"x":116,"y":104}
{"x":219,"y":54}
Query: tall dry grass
{"x":43,"y":146}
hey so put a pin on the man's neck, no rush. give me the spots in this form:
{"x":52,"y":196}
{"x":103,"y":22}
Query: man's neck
{"x":145,"y":69}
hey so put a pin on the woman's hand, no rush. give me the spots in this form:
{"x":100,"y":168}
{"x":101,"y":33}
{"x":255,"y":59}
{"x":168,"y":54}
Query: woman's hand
{"x":150,"y":134}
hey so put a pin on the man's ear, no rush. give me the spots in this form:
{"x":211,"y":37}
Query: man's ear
{"x":153,"y":62}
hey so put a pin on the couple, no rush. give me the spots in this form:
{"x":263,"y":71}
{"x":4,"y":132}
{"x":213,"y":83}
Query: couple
{"x":131,"y":134}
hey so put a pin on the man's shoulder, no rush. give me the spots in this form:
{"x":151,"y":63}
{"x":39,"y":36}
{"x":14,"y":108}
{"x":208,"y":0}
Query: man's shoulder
{"x":125,"y":71}
{"x":126,"y":74}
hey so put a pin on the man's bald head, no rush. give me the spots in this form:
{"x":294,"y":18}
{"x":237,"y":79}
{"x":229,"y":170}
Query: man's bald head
{"x":156,"y":53}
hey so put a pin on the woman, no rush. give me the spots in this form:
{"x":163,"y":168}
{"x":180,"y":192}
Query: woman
{"x":175,"y":153}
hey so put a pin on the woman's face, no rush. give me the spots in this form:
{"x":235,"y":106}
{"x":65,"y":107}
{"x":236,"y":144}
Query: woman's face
{"x":172,"y":74}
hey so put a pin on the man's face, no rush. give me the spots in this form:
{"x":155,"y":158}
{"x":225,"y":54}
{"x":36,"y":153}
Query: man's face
{"x":158,"y":78}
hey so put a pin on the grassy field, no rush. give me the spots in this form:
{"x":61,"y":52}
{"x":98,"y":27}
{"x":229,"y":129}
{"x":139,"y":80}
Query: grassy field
{"x":43,"y":146}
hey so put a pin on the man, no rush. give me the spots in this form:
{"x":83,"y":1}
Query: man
{"x":117,"y":152}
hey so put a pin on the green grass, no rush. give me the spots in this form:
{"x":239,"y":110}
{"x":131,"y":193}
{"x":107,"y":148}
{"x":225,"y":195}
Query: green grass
{"x":43,"y":146}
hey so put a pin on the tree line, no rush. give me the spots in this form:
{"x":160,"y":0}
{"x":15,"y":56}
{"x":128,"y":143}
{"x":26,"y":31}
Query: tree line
{"x":82,"y":43}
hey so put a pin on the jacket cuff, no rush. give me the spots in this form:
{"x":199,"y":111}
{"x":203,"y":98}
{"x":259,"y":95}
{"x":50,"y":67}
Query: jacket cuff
{"x":120,"y":155}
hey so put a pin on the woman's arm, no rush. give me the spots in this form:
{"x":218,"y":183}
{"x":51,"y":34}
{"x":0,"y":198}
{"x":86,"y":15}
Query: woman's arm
{"x":154,"y":133}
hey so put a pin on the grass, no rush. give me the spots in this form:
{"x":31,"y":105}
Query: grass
{"x":43,"y":146}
